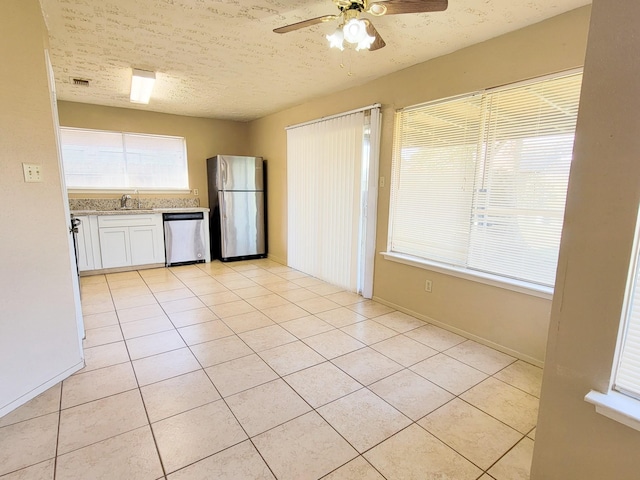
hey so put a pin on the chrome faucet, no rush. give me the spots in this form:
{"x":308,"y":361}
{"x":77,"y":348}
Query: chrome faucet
{"x":123,"y":200}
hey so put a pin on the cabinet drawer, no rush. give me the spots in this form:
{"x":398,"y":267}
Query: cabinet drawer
{"x":131,"y":220}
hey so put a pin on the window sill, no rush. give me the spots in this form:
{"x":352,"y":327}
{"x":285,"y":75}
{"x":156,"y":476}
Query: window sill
{"x":616,"y":406}
{"x":131,"y":191}
{"x":486,"y":278}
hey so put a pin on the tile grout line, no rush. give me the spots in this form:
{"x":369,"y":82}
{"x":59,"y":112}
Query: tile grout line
{"x":146,"y":411}
{"x":289,"y":420}
{"x":101,"y":398}
{"x":55,"y":458}
{"x":232,"y":413}
{"x":315,"y":410}
{"x":155,"y":442}
{"x":504,"y":454}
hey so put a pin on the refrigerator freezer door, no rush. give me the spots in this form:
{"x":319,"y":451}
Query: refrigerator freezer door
{"x":239,"y":173}
{"x":241,"y":224}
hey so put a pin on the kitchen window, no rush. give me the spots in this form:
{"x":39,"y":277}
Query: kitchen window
{"x":104,"y":160}
{"x":479,"y":182}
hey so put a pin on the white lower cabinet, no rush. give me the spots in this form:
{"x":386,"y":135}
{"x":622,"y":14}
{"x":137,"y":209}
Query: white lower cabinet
{"x":133,"y":239}
{"x":115,"y":249}
{"x":147,"y":244}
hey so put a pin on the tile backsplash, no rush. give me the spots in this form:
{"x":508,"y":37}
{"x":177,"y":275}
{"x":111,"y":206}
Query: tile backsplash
{"x":145,"y":203}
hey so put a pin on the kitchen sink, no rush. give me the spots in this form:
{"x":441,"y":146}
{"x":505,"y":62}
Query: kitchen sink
{"x":174,"y":209}
{"x":134,"y":210}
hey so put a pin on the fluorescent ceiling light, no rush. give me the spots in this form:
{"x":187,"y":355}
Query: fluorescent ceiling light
{"x":141,"y":85}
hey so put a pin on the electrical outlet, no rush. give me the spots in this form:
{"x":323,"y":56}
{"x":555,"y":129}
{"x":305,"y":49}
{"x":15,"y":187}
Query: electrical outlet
{"x":381,"y":182}
{"x":195,"y":192}
{"x":32,"y":172}
{"x":428,"y":285}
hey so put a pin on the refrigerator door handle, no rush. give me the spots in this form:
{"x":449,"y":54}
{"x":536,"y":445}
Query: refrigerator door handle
{"x":223,"y":167}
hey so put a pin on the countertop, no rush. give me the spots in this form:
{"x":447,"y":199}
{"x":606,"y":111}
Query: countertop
{"x":133,"y":211}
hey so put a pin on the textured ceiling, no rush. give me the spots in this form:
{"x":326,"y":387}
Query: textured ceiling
{"x":220,"y":58}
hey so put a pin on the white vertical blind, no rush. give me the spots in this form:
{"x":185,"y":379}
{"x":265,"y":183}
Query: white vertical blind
{"x":480,"y":181}
{"x":323,"y":184}
{"x":627,"y":377}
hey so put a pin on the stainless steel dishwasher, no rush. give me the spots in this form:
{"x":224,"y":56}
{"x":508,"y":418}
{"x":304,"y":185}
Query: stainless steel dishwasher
{"x":184,"y":241}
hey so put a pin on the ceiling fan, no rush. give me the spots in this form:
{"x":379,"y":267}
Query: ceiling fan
{"x":360,"y":31}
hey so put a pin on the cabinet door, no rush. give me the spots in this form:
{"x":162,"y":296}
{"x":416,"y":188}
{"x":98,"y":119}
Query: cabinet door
{"x":147,"y":245}
{"x":114,"y":247}
{"x":84,"y":245}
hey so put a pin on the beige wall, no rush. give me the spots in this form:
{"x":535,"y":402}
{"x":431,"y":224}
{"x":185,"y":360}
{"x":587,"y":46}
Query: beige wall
{"x":38,"y":329}
{"x":205,"y":137}
{"x":572,"y":440}
{"x":515,"y":321}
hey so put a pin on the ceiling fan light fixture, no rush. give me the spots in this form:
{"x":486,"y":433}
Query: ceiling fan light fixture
{"x":365,"y":43}
{"x":355,"y":31}
{"x":377,"y":9}
{"x":142,"y":83}
{"x":336,"y":39}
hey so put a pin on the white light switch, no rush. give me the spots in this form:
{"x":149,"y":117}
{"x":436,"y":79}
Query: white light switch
{"x":32,"y":172}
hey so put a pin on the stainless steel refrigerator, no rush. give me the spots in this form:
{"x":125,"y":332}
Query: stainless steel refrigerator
{"x":237,"y":207}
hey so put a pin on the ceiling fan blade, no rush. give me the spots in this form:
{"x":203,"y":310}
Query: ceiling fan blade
{"x":378,"y":43}
{"x":305,"y":23}
{"x":394,"y":7}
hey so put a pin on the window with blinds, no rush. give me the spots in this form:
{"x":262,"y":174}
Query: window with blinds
{"x":480,"y":181}
{"x":95,"y":159}
{"x":627,"y":376}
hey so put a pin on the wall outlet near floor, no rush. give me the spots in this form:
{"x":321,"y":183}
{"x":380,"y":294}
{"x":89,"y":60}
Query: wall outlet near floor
{"x":381,"y":182}
{"x":195,"y":192}
{"x":428,"y":285}
{"x":32,"y":172}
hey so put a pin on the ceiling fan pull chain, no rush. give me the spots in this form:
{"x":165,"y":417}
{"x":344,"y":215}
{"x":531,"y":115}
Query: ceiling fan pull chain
{"x":342,"y":63}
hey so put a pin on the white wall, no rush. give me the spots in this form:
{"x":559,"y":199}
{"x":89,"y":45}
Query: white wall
{"x":38,"y":329}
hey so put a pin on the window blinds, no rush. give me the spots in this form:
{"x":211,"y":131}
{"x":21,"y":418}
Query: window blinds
{"x":324,"y":161}
{"x":521,"y":189}
{"x":436,"y":154}
{"x":627,"y":378}
{"x":480,"y":181}
{"x":102,"y":159}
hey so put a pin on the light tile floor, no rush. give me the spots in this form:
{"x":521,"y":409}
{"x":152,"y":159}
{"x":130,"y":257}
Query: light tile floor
{"x":252,"y":370}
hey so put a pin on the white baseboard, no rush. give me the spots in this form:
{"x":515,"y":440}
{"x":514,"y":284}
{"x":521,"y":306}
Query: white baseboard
{"x":39,"y":389}
{"x":464,"y":333}
{"x":130,"y":268}
{"x":276,"y":259}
